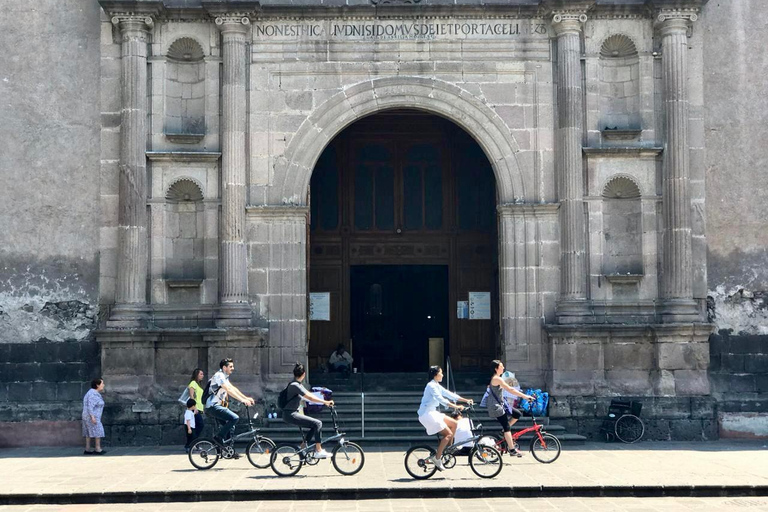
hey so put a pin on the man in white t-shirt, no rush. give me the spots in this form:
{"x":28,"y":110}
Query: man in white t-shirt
{"x":218,"y":401}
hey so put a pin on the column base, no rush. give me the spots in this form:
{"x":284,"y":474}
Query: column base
{"x":574,"y":312}
{"x":234,"y":315}
{"x":128,"y":316}
{"x":675,"y":311}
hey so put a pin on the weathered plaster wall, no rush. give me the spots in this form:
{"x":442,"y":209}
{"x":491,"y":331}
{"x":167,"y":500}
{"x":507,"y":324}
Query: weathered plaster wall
{"x":737,"y":208}
{"x":49,"y":158}
{"x":737,"y":127}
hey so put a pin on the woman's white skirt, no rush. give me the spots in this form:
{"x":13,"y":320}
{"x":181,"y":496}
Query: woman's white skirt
{"x":433,"y":421}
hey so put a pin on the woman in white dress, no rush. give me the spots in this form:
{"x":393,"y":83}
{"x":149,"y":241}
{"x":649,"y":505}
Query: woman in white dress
{"x":433,"y":420}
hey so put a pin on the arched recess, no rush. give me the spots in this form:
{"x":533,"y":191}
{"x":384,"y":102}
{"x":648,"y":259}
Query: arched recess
{"x":294,"y":168}
{"x":619,"y":84}
{"x":622,"y":227}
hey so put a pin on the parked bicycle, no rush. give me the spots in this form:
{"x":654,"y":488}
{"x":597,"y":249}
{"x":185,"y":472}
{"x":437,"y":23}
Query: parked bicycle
{"x":204,"y":453}
{"x":544,"y":447}
{"x":347,"y":457}
{"x":484,"y":460}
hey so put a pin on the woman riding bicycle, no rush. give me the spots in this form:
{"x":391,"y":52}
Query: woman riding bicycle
{"x":433,"y":420}
{"x":293,"y":416}
{"x":498,"y":407}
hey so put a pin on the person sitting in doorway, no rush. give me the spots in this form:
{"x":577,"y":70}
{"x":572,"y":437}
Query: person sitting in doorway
{"x":340,"y":360}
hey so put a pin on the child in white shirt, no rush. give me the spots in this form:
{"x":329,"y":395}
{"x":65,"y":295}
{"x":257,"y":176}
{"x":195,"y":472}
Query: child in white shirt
{"x":189,"y":423}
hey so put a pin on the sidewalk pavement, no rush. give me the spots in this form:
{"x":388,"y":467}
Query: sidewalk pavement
{"x":164,"y":474}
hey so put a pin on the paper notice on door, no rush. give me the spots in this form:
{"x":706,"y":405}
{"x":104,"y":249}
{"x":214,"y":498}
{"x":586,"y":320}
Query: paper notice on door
{"x":462,"y":309}
{"x":320,"y":306}
{"x":479,"y":305}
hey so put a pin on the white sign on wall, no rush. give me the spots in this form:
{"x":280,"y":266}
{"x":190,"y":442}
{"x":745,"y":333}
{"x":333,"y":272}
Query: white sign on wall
{"x":320,"y":306}
{"x":479,"y":305}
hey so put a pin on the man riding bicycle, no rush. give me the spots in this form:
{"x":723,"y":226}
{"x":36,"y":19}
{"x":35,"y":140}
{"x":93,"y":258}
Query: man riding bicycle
{"x":218,"y":401}
{"x":433,"y":420}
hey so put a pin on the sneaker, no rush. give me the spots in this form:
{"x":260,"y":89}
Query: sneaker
{"x":86,"y":452}
{"x":437,"y":462}
{"x":516,"y":453}
{"x":322,"y":454}
{"x":235,"y":455}
{"x":102,"y":452}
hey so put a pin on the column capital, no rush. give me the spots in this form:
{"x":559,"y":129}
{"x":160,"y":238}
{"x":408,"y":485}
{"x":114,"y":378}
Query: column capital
{"x":671,"y":21}
{"x":130,"y":22}
{"x":234,"y":22}
{"x":568,"y":21}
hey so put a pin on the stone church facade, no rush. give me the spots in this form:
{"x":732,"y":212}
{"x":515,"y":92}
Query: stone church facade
{"x":212,"y":117}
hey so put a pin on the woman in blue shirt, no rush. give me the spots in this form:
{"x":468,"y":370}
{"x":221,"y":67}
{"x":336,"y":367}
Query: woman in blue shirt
{"x":433,"y":420}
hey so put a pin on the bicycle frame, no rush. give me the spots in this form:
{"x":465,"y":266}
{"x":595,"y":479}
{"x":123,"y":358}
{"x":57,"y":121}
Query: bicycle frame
{"x":338,"y":436}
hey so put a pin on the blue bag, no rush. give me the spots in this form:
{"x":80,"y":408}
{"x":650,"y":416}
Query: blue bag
{"x":537,"y":407}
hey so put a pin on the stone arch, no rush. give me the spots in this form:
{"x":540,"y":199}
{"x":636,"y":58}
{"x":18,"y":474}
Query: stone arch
{"x":295,"y":167}
{"x":184,"y":189}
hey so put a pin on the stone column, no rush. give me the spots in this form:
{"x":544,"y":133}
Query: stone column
{"x":234,"y":309}
{"x":528,"y":272}
{"x":132,"y":245}
{"x":677,"y":287}
{"x":277,"y":239}
{"x":572,"y":307}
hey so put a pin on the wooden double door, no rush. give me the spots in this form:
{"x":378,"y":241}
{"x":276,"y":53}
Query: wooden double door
{"x":402,"y":226}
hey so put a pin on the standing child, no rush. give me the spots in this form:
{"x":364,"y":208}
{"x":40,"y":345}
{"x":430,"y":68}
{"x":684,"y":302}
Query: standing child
{"x":189,"y":423}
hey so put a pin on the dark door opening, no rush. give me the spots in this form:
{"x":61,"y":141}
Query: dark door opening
{"x":395,"y":309}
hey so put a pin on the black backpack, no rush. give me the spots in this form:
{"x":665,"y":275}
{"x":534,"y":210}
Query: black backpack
{"x":282,"y":398}
{"x":207,"y":392}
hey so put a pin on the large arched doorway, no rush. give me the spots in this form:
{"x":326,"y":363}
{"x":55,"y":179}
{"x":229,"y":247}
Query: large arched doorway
{"x":402,"y":229}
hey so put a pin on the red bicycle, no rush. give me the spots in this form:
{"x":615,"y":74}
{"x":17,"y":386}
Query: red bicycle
{"x":545,"y":447}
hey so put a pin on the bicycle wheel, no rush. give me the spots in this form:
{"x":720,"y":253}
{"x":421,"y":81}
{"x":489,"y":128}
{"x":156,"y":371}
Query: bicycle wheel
{"x":485,"y":461}
{"x":629,"y":428}
{"x":204,"y":454}
{"x":285,"y":460}
{"x":259,"y":452}
{"x":348,"y":458}
{"x":417,"y":462}
{"x":547,"y":451}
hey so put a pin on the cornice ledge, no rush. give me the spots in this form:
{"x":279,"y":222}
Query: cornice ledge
{"x":183,"y":156}
{"x":277,"y":212}
{"x":528,"y":208}
{"x":134,"y":8}
{"x":232,"y":10}
{"x":623,"y":151}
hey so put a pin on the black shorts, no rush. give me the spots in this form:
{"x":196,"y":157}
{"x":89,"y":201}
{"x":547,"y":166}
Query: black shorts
{"x":505,"y":419}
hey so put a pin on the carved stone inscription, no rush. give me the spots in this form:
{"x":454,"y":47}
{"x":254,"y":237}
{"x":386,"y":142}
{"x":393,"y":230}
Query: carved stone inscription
{"x":401,"y":29}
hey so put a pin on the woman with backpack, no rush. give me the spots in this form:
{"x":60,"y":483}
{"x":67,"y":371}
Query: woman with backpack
{"x":499,"y":408}
{"x":289,"y":401}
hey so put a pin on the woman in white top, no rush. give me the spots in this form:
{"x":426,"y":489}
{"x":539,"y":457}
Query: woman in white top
{"x":433,"y":420}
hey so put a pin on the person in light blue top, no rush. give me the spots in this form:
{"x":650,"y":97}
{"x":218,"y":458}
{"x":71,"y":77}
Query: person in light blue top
{"x":433,"y":420}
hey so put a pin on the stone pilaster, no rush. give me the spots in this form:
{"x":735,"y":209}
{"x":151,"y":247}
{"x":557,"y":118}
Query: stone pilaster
{"x":572,"y":307}
{"x":234,"y":310}
{"x":528,"y":268}
{"x":132,"y":245}
{"x":277,"y":242}
{"x":677,"y":288}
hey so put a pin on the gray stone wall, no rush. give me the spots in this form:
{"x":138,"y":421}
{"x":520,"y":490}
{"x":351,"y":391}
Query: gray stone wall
{"x":41,"y":390}
{"x":737,"y":127}
{"x":49,"y":154}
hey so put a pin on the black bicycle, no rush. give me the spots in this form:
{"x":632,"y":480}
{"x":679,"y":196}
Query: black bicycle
{"x":484,"y":459}
{"x":347,"y":457}
{"x":204,"y":452}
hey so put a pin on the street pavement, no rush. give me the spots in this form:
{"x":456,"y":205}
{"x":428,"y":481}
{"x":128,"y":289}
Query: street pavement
{"x":722,"y":471}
